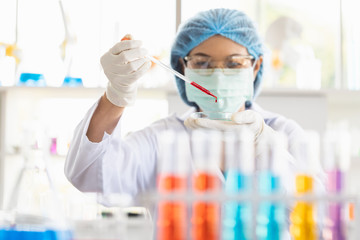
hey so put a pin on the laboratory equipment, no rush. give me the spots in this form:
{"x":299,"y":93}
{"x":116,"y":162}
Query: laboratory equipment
{"x":239,"y":169}
{"x":68,"y":48}
{"x":251,"y":203}
{"x":9,"y":59}
{"x":271,"y":215}
{"x":179,"y":75}
{"x":206,"y":149}
{"x":302,"y":218}
{"x":72,"y":82}
{"x":172,"y":178}
{"x":33,"y":210}
{"x":31,"y":79}
{"x":336,"y":159}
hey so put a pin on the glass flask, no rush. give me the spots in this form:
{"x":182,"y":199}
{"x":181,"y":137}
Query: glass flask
{"x":33,"y":210}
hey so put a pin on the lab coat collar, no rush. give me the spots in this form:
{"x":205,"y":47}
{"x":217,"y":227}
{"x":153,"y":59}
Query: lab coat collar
{"x":187,"y":114}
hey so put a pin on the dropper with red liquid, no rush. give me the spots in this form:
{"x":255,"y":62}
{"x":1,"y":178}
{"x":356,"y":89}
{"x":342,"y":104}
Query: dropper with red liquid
{"x":179,"y":75}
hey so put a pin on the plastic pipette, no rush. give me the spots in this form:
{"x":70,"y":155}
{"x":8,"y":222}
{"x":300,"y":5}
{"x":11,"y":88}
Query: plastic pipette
{"x":179,"y":75}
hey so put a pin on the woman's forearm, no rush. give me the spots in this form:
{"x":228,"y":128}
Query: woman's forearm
{"x":104,"y":119}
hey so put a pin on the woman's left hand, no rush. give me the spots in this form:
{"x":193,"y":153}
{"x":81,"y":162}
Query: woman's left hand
{"x":248,"y":119}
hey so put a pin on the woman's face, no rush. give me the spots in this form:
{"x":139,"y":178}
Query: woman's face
{"x":219,"y":48}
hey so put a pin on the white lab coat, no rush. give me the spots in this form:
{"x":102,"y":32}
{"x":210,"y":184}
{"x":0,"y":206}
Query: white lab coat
{"x":128,"y":166}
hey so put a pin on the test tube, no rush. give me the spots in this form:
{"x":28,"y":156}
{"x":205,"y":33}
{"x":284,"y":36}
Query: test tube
{"x":239,"y":168}
{"x":206,"y":149}
{"x":336,"y":159}
{"x":172,"y":178}
{"x":302,"y":221}
{"x":270,"y":165}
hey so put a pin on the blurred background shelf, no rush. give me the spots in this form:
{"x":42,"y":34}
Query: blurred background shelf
{"x":304,"y":49}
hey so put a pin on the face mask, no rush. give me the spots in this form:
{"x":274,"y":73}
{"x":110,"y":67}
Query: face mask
{"x":233,"y":89}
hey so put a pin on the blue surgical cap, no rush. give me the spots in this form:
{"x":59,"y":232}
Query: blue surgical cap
{"x":230,"y":23}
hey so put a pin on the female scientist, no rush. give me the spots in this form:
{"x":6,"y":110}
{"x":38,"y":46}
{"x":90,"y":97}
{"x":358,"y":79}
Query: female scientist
{"x":219,"y":48}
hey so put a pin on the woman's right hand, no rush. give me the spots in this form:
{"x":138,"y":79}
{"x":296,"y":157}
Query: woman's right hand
{"x":123,"y":64}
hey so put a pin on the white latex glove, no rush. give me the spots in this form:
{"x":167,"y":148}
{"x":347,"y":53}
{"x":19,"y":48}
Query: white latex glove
{"x":251,"y":120}
{"x":263,"y":134}
{"x":123,"y":64}
{"x":246,"y":119}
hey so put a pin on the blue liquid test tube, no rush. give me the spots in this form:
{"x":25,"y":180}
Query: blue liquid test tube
{"x":239,"y":165}
{"x":237,"y":216}
{"x":270,"y":218}
{"x":271,"y":215}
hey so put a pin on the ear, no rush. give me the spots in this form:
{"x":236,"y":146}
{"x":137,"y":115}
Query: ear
{"x":257,"y":66}
{"x":182,"y":63}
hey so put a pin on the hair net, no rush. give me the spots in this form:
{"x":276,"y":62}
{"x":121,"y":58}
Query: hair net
{"x":229,"y":23}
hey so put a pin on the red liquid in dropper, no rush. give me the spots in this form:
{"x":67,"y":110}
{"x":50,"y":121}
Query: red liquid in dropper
{"x":203,"y":90}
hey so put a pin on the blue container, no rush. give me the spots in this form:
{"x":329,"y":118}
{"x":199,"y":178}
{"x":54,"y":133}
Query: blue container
{"x":13,"y":234}
{"x":72,"y":82}
{"x":32,"y":80}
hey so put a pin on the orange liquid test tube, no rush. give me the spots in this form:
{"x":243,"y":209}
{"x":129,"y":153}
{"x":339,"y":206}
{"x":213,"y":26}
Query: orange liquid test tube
{"x":172,"y":179}
{"x":206,"y":215}
{"x":171,"y":223}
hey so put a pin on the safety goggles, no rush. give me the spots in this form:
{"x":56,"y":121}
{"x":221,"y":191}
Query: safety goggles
{"x":229,"y":66}
{"x":205,"y":62}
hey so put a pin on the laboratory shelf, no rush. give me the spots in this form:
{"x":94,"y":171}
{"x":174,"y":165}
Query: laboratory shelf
{"x":336,"y":96}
